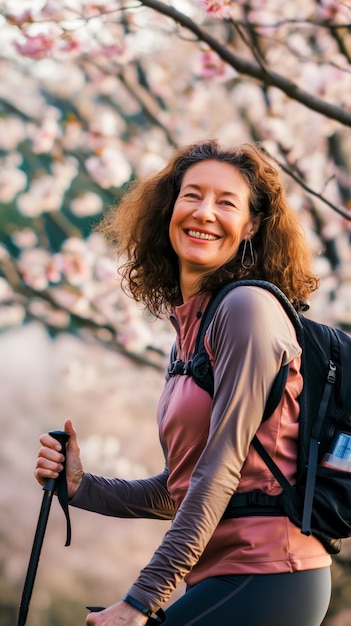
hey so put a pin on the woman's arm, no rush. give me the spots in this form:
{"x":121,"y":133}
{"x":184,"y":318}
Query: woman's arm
{"x":146,"y":498}
{"x":108,"y":496}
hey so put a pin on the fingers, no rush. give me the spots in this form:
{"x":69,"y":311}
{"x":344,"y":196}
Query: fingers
{"x":49,"y":464}
{"x":46,"y":470}
{"x":50,"y":459}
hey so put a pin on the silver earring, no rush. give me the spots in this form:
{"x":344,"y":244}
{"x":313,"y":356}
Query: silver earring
{"x":251,"y":254}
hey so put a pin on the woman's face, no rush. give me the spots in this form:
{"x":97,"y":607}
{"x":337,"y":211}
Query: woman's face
{"x":210,"y":218}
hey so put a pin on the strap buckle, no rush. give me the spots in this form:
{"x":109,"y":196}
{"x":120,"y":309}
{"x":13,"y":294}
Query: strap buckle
{"x":180,"y":368}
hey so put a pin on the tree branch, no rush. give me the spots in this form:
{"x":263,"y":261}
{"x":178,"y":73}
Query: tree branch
{"x":311,"y":192}
{"x":144,"y":100}
{"x":245,"y":67}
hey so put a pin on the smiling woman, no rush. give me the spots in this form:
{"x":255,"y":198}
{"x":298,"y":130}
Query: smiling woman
{"x":213,"y":216}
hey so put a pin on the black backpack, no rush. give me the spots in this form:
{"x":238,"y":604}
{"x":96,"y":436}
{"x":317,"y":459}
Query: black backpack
{"x":320,"y":501}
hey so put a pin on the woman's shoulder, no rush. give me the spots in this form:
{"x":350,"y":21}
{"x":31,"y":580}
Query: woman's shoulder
{"x":251,"y":300}
{"x":252,"y":310}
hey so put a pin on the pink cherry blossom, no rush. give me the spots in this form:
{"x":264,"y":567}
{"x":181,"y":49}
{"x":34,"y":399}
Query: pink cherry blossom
{"x":12,"y":132}
{"x":43,"y":138}
{"x":211,"y":65}
{"x":110,"y":168}
{"x":75,"y":261}
{"x":38,"y":268}
{"x":216,"y":8}
{"x":12,"y":181}
{"x":122,"y":53}
{"x":25,"y":238}
{"x":43,"y":196}
{"x":70,"y":44}
{"x":88,"y":203}
{"x":36,"y":46}
{"x":333,"y":10}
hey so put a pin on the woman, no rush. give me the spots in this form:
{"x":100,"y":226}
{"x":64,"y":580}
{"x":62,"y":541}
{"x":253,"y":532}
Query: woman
{"x":212,"y":216}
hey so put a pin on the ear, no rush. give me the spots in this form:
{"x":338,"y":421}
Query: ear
{"x":256,"y":223}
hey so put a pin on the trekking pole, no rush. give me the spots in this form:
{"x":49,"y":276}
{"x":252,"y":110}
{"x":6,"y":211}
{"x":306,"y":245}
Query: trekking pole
{"x":49,"y":488}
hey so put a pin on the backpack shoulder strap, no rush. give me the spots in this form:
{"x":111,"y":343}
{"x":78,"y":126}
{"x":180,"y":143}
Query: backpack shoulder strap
{"x":172,"y":360}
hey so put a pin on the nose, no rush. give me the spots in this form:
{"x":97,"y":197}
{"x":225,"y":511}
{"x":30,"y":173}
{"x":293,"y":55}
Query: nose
{"x":205,"y":210}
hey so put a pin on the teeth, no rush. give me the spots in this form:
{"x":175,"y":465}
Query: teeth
{"x":197,"y":235}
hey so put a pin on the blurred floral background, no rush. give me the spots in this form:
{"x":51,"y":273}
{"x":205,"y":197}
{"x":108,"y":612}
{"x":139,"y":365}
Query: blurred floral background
{"x":92,"y":95}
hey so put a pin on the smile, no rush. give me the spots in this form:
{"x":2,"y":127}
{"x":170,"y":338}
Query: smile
{"x":198,"y":235}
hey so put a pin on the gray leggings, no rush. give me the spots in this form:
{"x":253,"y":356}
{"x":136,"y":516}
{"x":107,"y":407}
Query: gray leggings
{"x":297,"y":599}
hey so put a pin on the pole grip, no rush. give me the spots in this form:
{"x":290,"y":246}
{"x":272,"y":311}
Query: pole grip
{"x":62,"y":437}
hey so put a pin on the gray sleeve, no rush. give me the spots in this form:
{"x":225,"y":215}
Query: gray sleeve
{"x":250,"y":337}
{"x":147,"y":498}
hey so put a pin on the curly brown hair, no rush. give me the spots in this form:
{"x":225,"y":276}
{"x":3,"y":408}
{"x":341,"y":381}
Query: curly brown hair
{"x":139,"y":229}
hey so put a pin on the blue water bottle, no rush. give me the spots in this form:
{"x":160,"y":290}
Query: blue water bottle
{"x":339,"y":457}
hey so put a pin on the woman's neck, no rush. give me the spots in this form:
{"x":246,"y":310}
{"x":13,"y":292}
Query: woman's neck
{"x":189,"y":286}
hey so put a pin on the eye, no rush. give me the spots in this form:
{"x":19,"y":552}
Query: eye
{"x":227,"y":203}
{"x":192,"y":194}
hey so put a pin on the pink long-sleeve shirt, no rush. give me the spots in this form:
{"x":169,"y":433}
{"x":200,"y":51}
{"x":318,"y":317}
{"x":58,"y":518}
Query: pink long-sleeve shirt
{"x":209,"y":456}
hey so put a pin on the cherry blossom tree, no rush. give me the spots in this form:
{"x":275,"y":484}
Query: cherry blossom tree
{"x":94,"y":94}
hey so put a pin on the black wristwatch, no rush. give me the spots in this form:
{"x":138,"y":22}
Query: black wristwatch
{"x":154,"y":619}
{"x":137,"y":605}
